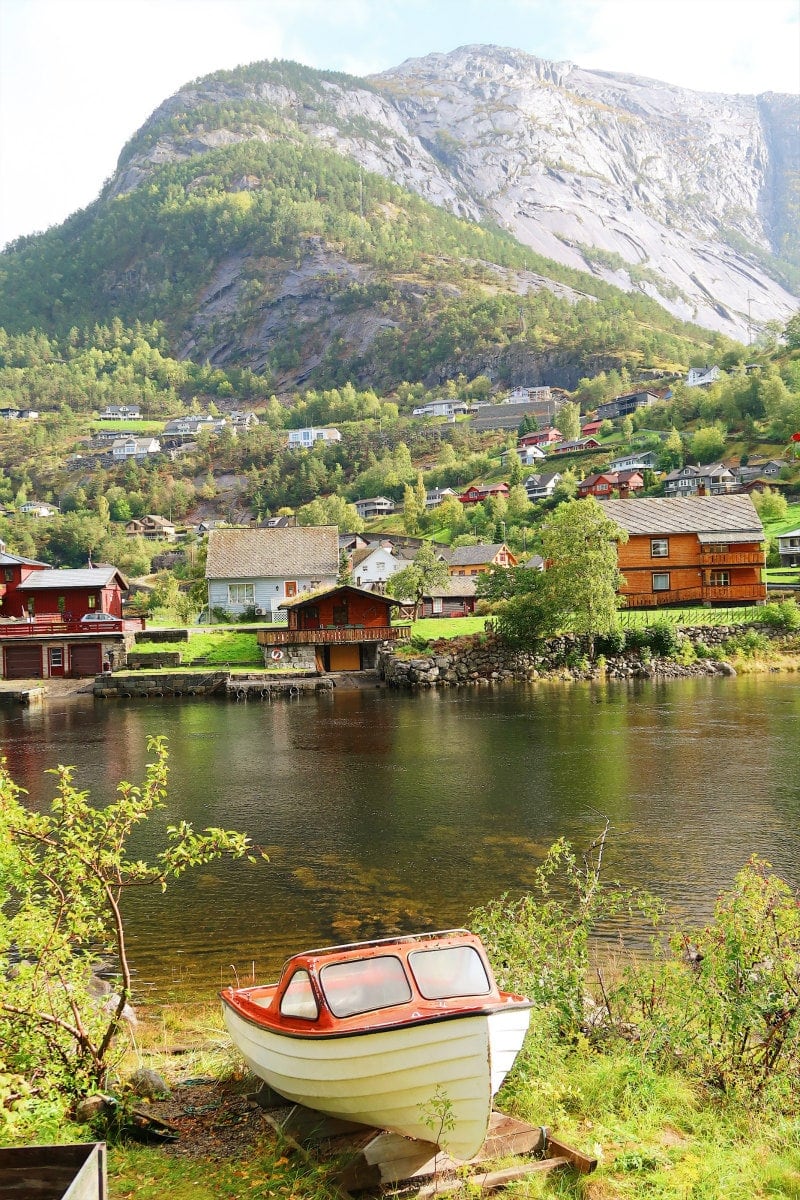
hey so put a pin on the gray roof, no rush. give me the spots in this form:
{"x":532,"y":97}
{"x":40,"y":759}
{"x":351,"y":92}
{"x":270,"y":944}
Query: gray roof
{"x":689,"y":514}
{"x":262,"y":553}
{"x":473,"y":556}
{"x":85,"y":577}
{"x":457,"y":585}
{"x":15,"y":560}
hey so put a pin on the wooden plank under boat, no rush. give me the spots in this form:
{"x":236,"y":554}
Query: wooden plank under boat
{"x":409,"y":1034}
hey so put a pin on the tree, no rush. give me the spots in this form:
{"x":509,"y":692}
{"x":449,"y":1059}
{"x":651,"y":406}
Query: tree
{"x":671,"y":456}
{"x":708,"y":443}
{"x":344,"y":575}
{"x":514,"y":468}
{"x":770,"y":505}
{"x":414,"y":581}
{"x":579,"y":546}
{"x":791,"y":332}
{"x":62,"y":886}
{"x":568,"y":420}
{"x":411,"y":512}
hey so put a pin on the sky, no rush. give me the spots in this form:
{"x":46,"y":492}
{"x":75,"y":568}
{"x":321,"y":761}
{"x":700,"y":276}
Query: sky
{"x":79,"y":77}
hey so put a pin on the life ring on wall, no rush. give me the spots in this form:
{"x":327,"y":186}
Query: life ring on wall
{"x":276,"y":655}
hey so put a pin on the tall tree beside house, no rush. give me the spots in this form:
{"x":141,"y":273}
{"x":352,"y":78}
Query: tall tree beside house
{"x":414,"y":581}
{"x":568,"y":420}
{"x":420,"y":493}
{"x":344,"y":574}
{"x":411,"y":510}
{"x":671,"y":456}
{"x":579,"y":546}
{"x":513,"y":468}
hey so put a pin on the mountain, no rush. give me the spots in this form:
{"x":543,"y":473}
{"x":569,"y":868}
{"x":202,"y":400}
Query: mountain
{"x":468,"y":211}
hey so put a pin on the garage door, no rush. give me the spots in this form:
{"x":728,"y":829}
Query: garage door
{"x":23,"y":662}
{"x":85,"y":659}
{"x":345,"y":658}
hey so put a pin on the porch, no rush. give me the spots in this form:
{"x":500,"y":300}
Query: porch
{"x":333,"y":635}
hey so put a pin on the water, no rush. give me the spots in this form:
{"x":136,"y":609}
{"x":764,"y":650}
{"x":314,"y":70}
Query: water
{"x":382,"y":811}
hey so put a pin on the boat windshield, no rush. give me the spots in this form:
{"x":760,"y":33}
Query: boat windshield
{"x":449,"y":971}
{"x":362,"y":985}
{"x":298,"y":1000}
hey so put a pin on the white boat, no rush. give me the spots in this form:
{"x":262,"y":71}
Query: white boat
{"x":409,"y":1034}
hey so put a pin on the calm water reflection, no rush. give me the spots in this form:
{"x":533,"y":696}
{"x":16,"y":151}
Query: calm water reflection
{"x":382,"y":810}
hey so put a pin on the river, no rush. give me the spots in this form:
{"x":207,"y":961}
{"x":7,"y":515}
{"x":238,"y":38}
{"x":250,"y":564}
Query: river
{"x":383,"y":810}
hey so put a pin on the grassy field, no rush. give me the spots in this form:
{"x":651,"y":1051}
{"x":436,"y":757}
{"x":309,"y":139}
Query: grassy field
{"x":791,"y":521}
{"x":656,"y":1135}
{"x":225,"y":647}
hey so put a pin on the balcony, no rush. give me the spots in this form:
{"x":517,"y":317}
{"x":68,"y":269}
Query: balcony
{"x":333,"y":635}
{"x":53,"y":627}
{"x":747,"y":558}
{"x":734,"y":593}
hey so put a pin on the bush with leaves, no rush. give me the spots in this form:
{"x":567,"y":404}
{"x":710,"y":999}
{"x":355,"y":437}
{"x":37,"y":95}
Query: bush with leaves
{"x":538,"y":943}
{"x":63,"y":878}
{"x":724,"y":1002}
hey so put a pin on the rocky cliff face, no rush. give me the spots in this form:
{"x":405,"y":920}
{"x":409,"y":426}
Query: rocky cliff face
{"x":679,"y":193}
{"x":684,"y":195}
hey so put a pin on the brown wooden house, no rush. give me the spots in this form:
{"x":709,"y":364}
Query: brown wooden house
{"x":339,"y":629}
{"x":690,"y":550}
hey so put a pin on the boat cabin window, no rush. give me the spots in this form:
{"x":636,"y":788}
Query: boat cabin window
{"x":364,"y":985}
{"x":298,"y":1000}
{"x":449,"y":971}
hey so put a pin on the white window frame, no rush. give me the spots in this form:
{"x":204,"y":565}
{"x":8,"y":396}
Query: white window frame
{"x":720,"y":578}
{"x":243,"y":594}
{"x":659,"y":586}
{"x":659,"y":547}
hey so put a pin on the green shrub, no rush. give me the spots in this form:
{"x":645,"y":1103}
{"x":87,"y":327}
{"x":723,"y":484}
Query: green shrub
{"x":749,"y":644}
{"x":784,"y":614}
{"x":663,"y":639}
{"x":611,"y":644}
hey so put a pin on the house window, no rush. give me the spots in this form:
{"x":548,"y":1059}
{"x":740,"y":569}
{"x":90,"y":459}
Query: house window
{"x":661,"y":581}
{"x":437,"y":604}
{"x":659,"y":548}
{"x":91,"y":602}
{"x":720,"y":579}
{"x":9,"y":574}
{"x":340,"y":613}
{"x":242,"y":593}
{"x":717,"y":548}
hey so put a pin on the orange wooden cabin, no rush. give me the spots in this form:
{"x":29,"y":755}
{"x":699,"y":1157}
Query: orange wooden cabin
{"x":690,"y":550}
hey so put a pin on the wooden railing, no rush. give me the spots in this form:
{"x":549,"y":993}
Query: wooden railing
{"x":52,"y":627}
{"x":729,"y":595}
{"x":754,"y":557}
{"x":333,"y":636}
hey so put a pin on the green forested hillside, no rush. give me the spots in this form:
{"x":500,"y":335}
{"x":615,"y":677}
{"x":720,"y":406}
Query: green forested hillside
{"x":404,"y":289}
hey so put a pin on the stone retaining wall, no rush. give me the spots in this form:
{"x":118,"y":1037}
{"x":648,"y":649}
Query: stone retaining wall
{"x":485,"y":659}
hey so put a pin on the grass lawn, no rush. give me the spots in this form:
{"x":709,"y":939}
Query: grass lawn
{"x":140,"y":426}
{"x":220,"y":648}
{"x":791,"y":521}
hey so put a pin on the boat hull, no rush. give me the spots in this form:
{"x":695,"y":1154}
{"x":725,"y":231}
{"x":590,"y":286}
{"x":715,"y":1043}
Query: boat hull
{"x":433,"y":1080}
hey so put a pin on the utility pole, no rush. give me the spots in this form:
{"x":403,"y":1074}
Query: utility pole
{"x":749,"y":320}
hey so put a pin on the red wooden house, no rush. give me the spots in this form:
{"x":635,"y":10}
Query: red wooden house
{"x":606,"y":483}
{"x":540,"y":437}
{"x":339,"y":629}
{"x":477,"y":493}
{"x":59,"y":622}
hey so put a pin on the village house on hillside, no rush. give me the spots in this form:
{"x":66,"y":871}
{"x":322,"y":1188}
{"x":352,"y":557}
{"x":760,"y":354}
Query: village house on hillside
{"x":374,"y":565}
{"x":257,"y":569}
{"x":541,"y":486}
{"x":152,"y":528}
{"x":712,"y":480}
{"x":474,"y":560}
{"x":685,"y":550}
{"x":374,"y":506}
{"x":135,"y":447}
{"x":305,"y":438}
{"x":605,"y":483}
{"x":478,"y":492}
{"x":625,"y":406}
{"x":789,"y":548}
